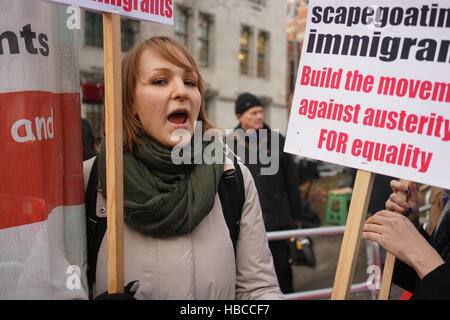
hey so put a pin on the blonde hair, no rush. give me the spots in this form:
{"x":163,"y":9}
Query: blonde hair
{"x":170,"y":50}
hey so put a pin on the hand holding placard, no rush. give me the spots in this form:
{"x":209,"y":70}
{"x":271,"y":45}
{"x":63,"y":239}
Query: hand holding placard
{"x":390,"y":261}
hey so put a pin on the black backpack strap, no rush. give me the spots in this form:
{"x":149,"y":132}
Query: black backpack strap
{"x":232,"y":198}
{"x":95,"y":226}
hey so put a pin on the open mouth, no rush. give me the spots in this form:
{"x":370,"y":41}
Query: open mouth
{"x":178,"y":116}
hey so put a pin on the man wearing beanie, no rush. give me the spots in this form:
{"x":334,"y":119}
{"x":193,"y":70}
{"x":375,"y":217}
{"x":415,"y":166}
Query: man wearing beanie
{"x":279,"y":193}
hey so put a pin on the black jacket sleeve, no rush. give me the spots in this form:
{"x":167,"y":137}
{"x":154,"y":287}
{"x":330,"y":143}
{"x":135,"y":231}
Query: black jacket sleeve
{"x":435,"y":285}
{"x":404,"y":275}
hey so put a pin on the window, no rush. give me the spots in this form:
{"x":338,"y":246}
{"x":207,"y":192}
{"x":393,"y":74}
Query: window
{"x":262,"y":41}
{"x":181,"y":25}
{"x":129,"y":28}
{"x":203,"y":40}
{"x":243,"y":54}
{"x":93,"y":33}
{"x":291,"y":76}
{"x":258,"y":2}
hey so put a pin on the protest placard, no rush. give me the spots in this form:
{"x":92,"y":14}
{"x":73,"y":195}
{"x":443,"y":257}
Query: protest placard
{"x":160,"y":11}
{"x":372,"y":93}
{"x":373,"y":89}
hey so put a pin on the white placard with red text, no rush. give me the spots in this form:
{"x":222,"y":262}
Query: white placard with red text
{"x":372,"y":89}
{"x":160,"y":11}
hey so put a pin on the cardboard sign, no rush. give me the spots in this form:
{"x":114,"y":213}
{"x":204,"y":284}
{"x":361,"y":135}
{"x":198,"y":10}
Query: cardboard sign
{"x":372,"y":89}
{"x":160,"y":11}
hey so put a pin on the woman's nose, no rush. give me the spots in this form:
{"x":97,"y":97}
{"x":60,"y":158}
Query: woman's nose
{"x":179,"y":89}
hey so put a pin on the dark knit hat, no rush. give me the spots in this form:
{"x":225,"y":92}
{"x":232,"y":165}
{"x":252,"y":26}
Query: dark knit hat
{"x":245,"y":101}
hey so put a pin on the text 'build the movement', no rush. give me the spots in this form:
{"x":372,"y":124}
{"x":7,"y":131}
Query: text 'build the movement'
{"x":404,"y":154}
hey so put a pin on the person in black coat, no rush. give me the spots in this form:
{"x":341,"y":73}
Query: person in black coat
{"x":423,"y":262}
{"x":278,"y":191}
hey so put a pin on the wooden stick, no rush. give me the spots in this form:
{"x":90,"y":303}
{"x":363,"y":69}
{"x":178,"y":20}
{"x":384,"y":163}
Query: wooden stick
{"x":114,"y":151}
{"x":387,"y":277}
{"x":388,"y":269}
{"x":352,"y":235}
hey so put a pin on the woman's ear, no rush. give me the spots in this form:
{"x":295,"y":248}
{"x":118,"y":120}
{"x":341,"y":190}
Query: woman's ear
{"x":133,"y":111}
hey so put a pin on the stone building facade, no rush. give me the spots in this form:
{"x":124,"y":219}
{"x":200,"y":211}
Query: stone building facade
{"x":240,"y":45}
{"x":296,"y":25}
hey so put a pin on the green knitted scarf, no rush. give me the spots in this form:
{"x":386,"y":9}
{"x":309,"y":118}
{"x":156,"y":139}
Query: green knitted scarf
{"x":163,"y":199}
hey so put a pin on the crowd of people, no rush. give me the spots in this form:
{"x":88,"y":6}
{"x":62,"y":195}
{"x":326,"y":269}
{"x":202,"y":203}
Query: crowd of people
{"x":177,"y":236}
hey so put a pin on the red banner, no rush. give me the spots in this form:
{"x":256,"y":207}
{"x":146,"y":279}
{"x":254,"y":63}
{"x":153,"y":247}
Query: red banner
{"x":42,"y":218}
{"x":32,"y":156}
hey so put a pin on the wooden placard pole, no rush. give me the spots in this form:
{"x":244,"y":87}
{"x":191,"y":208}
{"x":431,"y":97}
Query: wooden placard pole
{"x":352,"y":235}
{"x":388,"y":269}
{"x":114,"y":150}
{"x":387,"y":277}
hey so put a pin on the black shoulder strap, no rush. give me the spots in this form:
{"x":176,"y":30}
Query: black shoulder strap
{"x":232,"y":198}
{"x":95,"y":226}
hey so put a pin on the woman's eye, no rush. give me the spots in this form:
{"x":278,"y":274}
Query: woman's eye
{"x":159,"y":81}
{"x":191,"y":83}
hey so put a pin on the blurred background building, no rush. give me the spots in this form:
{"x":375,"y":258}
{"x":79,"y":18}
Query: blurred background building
{"x":296,"y":25}
{"x":240,"y":45}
